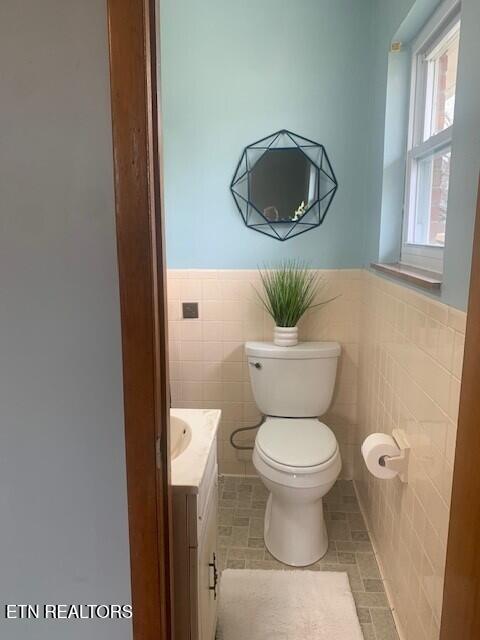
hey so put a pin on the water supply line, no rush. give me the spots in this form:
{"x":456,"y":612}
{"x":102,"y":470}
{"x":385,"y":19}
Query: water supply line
{"x":234,"y":433}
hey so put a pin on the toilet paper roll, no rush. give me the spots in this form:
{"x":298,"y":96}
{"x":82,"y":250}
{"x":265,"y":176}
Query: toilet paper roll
{"x":374,"y":447}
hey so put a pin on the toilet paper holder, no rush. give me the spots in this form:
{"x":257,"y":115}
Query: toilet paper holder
{"x":398,"y":463}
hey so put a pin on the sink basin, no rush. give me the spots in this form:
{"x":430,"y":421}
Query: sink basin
{"x":180,"y":436}
{"x":193,"y":434}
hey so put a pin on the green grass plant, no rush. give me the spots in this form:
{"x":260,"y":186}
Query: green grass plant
{"x":289,"y":291}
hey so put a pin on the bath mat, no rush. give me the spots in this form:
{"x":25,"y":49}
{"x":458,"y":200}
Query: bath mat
{"x":286,"y":605}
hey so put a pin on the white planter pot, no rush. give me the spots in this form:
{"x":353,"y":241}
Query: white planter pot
{"x":285,"y":336}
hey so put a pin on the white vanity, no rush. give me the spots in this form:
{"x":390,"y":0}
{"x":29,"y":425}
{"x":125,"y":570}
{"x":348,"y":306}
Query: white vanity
{"x":195,"y":496}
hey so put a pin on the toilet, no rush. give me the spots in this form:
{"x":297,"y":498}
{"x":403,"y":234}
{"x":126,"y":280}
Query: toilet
{"x":295,"y":454}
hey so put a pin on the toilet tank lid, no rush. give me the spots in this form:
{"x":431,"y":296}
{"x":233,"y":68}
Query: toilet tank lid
{"x":301,"y":351}
{"x":296,"y":442}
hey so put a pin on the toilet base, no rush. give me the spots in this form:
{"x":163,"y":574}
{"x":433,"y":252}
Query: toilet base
{"x":295,"y":533}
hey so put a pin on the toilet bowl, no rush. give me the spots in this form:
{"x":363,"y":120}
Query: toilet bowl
{"x":299,"y":461}
{"x":295,"y":454}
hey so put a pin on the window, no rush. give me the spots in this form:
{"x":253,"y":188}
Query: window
{"x":432,"y":105}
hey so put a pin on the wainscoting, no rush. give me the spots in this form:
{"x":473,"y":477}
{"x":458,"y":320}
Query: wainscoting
{"x":411,"y":352}
{"x":401,"y":366}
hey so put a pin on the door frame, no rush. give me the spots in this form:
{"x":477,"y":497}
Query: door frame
{"x":141,"y":264}
{"x":461,"y":596}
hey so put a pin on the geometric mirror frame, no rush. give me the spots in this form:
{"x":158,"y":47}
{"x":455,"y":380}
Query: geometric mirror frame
{"x":283,"y":185}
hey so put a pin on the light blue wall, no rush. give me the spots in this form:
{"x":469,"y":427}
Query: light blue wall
{"x":233,"y":72}
{"x":387,"y":17}
{"x":394,"y":156}
{"x":400,"y":19}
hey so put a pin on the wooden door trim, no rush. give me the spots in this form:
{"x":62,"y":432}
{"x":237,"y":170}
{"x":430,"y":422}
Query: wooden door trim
{"x":140,"y":243}
{"x":461,"y":602}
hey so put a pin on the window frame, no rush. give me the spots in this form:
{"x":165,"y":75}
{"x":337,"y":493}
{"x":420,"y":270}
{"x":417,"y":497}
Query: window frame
{"x":445,"y":18}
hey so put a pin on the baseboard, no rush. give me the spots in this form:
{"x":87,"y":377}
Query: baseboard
{"x":386,"y":584}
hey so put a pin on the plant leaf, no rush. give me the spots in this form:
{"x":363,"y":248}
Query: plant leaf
{"x":289,"y":291}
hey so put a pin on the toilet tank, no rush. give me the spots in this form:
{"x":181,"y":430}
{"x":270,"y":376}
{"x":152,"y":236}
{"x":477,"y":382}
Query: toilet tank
{"x":293,"y":382}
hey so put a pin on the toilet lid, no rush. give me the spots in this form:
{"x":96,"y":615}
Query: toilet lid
{"x":296,"y":442}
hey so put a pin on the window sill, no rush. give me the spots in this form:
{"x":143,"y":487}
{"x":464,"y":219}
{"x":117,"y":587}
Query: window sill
{"x":421,"y":278}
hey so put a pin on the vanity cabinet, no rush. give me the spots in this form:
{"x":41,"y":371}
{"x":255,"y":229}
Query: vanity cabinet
{"x":196,"y":571}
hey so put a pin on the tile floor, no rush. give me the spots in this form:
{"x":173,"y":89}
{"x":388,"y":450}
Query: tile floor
{"x":242,"y":502}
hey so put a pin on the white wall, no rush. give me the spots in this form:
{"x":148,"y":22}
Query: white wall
{"x":63,"y":514}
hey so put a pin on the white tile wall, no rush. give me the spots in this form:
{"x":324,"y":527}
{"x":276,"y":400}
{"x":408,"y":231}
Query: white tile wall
{"x":411,"y":351}
{"x":207,"y":362}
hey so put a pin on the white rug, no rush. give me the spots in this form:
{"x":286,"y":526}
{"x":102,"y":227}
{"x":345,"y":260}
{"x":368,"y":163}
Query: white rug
{"x":286,"y":605}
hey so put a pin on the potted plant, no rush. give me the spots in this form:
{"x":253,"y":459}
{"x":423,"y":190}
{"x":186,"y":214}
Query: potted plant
{"x":288,"y":293}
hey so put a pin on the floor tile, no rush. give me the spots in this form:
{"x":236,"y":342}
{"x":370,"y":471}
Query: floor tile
{"x":371,"y":599}
{"x":241,"y":546}
{"x":256,"y":543}
{"x":364,"y":615}
{"x":351,"y":545}
{"x":368,"y":632}
{"x":373,"y":585}
{"x":343,"y":557}
{"x":226,"y":516}
{"x":338,"y":530}
{"x":256,"y":527}
{"x":368,"y":565}
{"x":247,"y":554}
{"x":383,"y":624}
{"x":240,"y":537}
{"x":356,"y":522}
{"x":224,"y":530}
{"x":235,"y":563}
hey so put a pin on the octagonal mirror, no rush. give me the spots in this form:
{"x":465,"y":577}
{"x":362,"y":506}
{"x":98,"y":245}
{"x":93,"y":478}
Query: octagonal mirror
{"x":283,"y":185}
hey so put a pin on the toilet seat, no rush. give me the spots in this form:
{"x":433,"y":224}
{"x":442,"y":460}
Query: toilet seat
{"x":296,"y":445}
{"x":298,"y":478}
{"x":298,"y":460}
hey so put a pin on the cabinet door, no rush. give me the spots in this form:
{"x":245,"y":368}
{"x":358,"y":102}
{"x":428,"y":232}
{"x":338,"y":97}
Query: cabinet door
{"x":208,"y":573}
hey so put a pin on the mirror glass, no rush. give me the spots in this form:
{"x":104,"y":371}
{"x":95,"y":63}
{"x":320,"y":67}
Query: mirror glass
{"x":283,"y":184}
